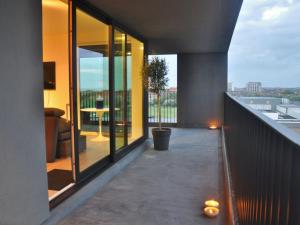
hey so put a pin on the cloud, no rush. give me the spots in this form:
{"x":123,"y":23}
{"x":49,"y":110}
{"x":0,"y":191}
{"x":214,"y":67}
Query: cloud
{"x":266,"y":44}
{"x":274,"y":12}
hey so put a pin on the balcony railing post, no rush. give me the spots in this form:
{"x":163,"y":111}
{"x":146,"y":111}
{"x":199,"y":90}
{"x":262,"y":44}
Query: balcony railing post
{"x":264,"y":160}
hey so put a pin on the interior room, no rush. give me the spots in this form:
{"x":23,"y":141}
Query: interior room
{"x":92,"y":93}
{"x":128,"y":64}
{"x":135,"y":60}
{"x":92,"y":88}
{"x":56,"y":96}
{"x":92,"y":115}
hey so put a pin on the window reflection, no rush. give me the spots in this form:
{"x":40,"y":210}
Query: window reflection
{"x":93,"y":89}
{"x":135,"y":59}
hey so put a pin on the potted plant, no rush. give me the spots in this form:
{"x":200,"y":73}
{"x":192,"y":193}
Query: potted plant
{"x":155,"y":80}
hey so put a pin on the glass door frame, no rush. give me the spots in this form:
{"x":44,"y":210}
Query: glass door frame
{"x":124,"y":92}
{"x":123,"y":151}
{"x":102,"y":164}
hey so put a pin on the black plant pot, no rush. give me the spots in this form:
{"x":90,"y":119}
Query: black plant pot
{"x":161,"y":138}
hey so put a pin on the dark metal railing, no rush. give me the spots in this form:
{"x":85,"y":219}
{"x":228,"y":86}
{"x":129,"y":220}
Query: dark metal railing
{"x":168,"y":107}
{"x":88,"y":100}
{"x":264,"y":159}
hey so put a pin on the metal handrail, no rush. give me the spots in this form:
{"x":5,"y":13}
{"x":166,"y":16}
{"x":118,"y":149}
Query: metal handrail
{"x":279,"y":128}
{"x":168,"y":106}
{"x":264,"y":161}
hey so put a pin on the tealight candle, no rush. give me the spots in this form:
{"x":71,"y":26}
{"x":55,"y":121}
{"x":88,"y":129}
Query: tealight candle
{"x":211,"y":203}
{"x":211,"y":211}
{"x":212,"y":127}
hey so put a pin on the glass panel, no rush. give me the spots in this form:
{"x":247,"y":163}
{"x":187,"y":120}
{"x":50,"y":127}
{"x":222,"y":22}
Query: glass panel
{"x":93,"y":89}
{"x":119,"y":70}
{"x":56,"y":95}
{"x":135,"y":59}
{"x":168,"y":97}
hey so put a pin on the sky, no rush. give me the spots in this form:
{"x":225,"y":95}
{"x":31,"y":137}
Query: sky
{"x":266,"y":44}
{"x":172,"y":67}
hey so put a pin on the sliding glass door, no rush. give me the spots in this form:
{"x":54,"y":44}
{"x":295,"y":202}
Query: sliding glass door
{"x":134,"y":64}
{"x":92,"y":45}
{"x":120,"y":87}
{"x":128,"y":65}
{"x":58,"y":137}
{"x":107,"y":91}
{"x":93,"y":95}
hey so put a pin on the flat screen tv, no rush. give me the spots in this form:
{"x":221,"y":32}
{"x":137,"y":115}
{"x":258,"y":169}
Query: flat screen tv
{"x":49,"y":75}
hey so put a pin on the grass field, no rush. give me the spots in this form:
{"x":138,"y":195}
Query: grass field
{"x":167,"y":113}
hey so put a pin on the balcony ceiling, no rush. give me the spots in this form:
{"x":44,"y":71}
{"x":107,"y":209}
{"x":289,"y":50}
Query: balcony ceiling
{"x":183,"y":26}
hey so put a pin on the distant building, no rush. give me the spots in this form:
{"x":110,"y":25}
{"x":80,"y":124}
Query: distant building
{"x":272,"y":115}
{"x":237,"y":89}
{"x":262,"y":103}
{"x":172,"y":89}
{"x":229,"y":87}
{"x":286,"y":101}
{"x":290,"y":110}
{"x":274,"y":108}
{"x":254,"y":87}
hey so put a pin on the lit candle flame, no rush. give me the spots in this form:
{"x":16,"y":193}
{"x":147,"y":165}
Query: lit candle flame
{"x":212,"y":203}
{"x":211,"y":211}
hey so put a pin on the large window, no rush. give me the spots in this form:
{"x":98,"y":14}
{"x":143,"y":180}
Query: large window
{"x":120,"y":85}
{"x":128,"y":64}
{"x":135,"y":60}
{"x":56,"y":96}
{"x":168,"y":97}
{"x":83,"y":78}
{"x":93,"y":89}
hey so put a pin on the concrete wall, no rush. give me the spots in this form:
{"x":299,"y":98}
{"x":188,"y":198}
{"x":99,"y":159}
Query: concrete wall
{"x":202,"y":81}
{"x":23,"y":180}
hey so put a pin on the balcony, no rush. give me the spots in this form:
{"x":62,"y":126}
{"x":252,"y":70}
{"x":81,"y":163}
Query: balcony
{"x":159,"y":187}
{"x":162,"y":187}
{"x":264,"y":163}
{"x":170,"y":187}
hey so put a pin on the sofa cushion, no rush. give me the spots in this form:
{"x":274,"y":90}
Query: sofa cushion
{"x":64,"y":149}
{"x":64,"y":135}
{"x":54,"y":112}
{"x":64,"y":125}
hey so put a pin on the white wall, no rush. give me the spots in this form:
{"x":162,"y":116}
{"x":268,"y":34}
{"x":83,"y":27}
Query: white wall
{"x":23,"y":187}
{"x":261,"y":106}
{"x":271,"y":115}
{"x":281,"y":109}
{"x":294,"y":112}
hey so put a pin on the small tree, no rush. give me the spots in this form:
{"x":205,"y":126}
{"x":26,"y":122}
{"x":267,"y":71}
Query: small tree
{"x":155,"y":80}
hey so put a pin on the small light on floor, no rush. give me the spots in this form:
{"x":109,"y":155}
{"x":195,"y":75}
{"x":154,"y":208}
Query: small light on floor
{"x":211,"y":203}
{"x":211,"y":208}
{"x":212,"y":127}
{"x":211,"y":212}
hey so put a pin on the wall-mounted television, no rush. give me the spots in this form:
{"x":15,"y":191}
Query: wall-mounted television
{"x":49,"y":75}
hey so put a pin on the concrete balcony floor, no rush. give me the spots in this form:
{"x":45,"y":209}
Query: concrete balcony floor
{"x":162,"y":188}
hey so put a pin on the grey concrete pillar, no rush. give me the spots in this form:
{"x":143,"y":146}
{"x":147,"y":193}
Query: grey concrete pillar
{"x":202,"y":81}
{"x":23,"y":179}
